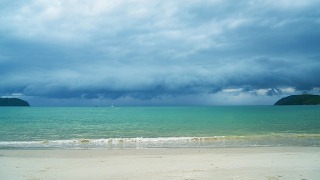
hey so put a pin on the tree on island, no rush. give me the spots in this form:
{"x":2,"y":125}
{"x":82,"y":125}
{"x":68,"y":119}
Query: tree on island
{"x":304,"y":99}
{"x":13,"y":102}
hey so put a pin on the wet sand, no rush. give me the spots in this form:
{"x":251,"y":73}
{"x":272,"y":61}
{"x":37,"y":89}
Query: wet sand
{"x":184,"y":163}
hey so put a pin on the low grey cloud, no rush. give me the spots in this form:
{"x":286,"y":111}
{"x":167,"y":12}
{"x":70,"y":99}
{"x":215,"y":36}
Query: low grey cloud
{"x":159,"y":52}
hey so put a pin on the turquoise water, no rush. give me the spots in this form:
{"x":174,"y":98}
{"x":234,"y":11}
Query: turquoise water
{"x":147,"y":127}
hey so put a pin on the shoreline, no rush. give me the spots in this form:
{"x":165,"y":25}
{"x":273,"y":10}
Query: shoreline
{"x":225,"y":141}
{"x":162,"y":163}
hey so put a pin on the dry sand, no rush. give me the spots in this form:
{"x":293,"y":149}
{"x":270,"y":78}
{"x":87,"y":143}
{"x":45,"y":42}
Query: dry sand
{"x":216,"y":163}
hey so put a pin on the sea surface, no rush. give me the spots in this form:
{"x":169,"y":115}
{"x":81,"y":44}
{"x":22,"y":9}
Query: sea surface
{"x":158,"y":127}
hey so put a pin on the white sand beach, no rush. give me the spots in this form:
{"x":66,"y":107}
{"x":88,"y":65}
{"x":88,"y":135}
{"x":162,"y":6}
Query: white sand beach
{"x":215,"y":163}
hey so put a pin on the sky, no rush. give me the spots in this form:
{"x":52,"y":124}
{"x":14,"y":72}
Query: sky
{"x":158,"y":52}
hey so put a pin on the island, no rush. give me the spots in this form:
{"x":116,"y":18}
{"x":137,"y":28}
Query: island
{"x":13,"y":102}
{"x":304,"y":99}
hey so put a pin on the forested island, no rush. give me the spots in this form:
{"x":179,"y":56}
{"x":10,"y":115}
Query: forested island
{"x":304,"y":99}
{"x":13,"y":102}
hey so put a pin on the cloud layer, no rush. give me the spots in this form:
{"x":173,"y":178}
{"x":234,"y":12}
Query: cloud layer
{"x":159,"y":51}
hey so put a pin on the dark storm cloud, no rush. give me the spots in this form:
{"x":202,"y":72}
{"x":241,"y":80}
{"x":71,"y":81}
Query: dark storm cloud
{"x":159,"y":49}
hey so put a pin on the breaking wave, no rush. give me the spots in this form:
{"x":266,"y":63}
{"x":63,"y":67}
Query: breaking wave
{"x":170,"y":142}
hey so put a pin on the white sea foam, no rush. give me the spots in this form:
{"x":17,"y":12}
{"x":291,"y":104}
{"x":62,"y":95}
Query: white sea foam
{"x":171,"y":142}
{"x":138,"y":142}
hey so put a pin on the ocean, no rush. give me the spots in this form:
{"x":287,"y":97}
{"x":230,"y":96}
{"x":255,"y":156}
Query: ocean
{"x":158,"y":127}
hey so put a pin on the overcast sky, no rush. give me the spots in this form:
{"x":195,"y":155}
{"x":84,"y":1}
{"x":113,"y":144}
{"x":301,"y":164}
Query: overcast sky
{"x":158,"y":52}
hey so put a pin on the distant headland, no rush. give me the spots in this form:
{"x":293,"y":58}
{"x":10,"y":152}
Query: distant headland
{"x":304,"y":99}
{"x":13,"y":102}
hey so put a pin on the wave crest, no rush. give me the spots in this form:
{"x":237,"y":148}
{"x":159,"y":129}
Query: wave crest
{"x":169,"y":142}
